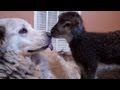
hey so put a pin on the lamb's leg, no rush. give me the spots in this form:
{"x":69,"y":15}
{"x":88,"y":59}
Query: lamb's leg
{"x":89,"y":70}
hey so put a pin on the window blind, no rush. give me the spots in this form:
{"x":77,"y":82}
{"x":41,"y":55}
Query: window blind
{"x":45,"y":20}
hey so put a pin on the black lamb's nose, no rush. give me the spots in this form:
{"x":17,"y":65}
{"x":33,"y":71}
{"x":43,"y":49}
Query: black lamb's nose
{"x":49,"y":34}
{"x":52,"y":30}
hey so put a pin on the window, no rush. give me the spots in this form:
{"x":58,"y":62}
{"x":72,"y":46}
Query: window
{"x":45,"y":20}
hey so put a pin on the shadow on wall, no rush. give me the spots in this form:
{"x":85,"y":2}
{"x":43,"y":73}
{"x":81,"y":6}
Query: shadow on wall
{"x":101,"y":21}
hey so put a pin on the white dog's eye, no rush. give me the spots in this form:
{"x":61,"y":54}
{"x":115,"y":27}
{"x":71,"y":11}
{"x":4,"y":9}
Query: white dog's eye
{"x":23,"y":31}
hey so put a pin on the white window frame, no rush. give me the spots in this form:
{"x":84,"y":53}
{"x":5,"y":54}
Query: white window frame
{"x":35,"y":25}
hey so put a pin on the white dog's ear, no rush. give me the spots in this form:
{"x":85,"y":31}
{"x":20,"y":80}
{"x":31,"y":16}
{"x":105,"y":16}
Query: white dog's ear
{"x":2,"y":33}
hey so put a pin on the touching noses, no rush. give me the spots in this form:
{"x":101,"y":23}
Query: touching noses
{"x":49,"y":35}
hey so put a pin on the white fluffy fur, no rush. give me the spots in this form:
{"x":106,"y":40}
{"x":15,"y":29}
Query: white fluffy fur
{"x":15,"y":48}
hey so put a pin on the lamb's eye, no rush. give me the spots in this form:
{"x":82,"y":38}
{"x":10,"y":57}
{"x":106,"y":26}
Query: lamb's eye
{"x":23,"y":31}
{"x":67,"y":24}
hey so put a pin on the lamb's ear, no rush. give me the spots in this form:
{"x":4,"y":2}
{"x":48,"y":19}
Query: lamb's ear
{"x":2,"y":33}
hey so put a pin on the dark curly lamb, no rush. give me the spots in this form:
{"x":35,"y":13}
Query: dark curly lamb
{"x":88,"y":48}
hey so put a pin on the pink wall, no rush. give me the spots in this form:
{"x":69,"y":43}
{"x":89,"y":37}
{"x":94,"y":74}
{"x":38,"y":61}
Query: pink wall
{"x":101,"y":21}
{"x":27,"y":15}
{"x":98,"y":21}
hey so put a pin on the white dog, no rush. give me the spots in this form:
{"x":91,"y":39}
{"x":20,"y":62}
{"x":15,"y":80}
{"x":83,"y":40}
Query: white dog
{"x":20,"y":53}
